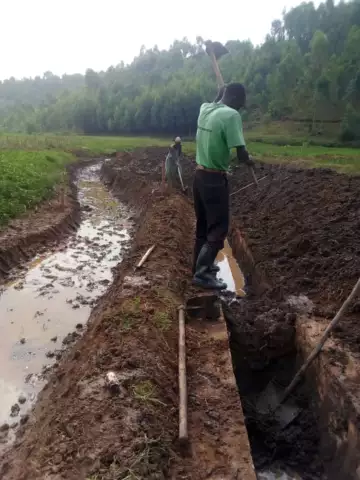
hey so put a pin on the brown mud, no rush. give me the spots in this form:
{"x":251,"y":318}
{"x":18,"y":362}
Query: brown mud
{"x":53,"y":295}
{"x":299,"y":228}
{"x":82,"y":429}
{"x":299,"y":255}
{"x":302,"y":227}
{"x":294,"y":239}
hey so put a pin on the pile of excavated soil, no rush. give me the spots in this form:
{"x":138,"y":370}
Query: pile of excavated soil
{"x":300,"y":226}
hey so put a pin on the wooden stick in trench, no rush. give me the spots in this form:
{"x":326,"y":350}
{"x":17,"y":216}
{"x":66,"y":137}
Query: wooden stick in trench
{"x":183,"y":421}
{"x":247,"y":186}
{"x":319,"y":346}
{"x":146,"y":256}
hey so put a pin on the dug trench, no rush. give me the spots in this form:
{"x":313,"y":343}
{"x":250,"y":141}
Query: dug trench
{"x":79,"y":429}
{"x":293,"y":237}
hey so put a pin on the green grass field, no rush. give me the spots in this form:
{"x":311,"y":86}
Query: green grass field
{"x":80,"y":144}
{"x":31,"y":165}
{"x":26,"y":178}
{"x":344,"y":160}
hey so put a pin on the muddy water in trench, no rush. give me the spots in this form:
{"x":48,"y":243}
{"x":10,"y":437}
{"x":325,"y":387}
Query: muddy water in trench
{"x":54,"y":295}
{"x":230,"y":271}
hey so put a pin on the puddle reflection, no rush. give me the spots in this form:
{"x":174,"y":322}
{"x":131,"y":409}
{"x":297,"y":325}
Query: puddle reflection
{"x":230,"y":271}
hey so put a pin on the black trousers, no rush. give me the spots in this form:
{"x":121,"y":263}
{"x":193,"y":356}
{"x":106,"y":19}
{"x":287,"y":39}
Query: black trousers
{"x":211,"y":203}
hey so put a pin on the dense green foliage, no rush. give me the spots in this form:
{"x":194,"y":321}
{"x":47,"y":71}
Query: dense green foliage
{"x":308,"y":69}
{"x":27,"y":178}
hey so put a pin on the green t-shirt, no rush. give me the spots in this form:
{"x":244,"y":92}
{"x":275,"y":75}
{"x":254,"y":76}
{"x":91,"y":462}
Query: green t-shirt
{"x":219,"y":130}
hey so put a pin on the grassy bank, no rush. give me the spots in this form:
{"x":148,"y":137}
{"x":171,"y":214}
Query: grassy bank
{"x":32,"y":165}
{"x":344,"y":160}
{"x":26,"y":178}
{"x":80,"y":144}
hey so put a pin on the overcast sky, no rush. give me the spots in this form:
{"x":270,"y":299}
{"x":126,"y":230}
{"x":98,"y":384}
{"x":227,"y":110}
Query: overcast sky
{"x":68,"y":36}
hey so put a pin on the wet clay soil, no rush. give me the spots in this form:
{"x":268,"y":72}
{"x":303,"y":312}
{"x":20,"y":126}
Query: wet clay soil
{"x":45,"y":306}
{"x":132,"y":330}
{"x":302,"y":227}
{"x":299,"y":228}
{"x":263,"y":329}
{"x":81,"y":429}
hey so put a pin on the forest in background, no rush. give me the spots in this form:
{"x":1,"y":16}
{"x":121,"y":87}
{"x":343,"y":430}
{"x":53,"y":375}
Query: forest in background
{"x":307,"y":70}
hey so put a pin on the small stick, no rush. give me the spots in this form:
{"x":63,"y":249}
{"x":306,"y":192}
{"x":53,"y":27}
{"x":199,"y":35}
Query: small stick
{"x":247,"y":186}
{"x":163,"y":175}
{"x":322,"y":341}
{"x":181,"y":180}
{"x":145,"y":257}
{"x":254,"y":176}
{"x":183,"y":422}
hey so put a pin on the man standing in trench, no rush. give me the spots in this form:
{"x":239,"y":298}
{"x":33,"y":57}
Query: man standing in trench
{"x":219,"y":130}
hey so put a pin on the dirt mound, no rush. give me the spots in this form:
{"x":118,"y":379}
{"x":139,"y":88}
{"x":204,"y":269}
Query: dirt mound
{"x":300,"y":226}
{"x":266,"y":330}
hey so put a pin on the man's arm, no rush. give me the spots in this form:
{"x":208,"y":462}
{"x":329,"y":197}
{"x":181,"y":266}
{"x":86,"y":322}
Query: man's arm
{"x":235,"y":138}
{"x":243,"y":156}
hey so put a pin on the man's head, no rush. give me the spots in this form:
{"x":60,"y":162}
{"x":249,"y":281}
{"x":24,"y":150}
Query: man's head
{"x":234,"y":96}
{"x":177,"y":140}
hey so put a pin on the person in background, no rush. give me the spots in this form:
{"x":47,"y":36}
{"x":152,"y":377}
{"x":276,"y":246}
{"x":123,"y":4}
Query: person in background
{"x":219,"y":130}
{"x":172,"y":162}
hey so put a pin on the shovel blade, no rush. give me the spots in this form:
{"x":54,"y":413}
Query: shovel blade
{"x":268,"y":403}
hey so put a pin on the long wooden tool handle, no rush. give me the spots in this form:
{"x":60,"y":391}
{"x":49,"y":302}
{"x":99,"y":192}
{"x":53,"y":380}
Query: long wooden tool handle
{"x":254,"y":176}
{"x":181,"y":180}
{"x":318,"y":348}
{"x":247,"y":186}
{"x":221,"y":84}
{"x":217,"y":70}
{"x":163,"y":175}
{"x":183,"y":422}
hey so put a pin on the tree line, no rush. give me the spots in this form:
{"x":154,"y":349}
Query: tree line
{"x":307,"y":69}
